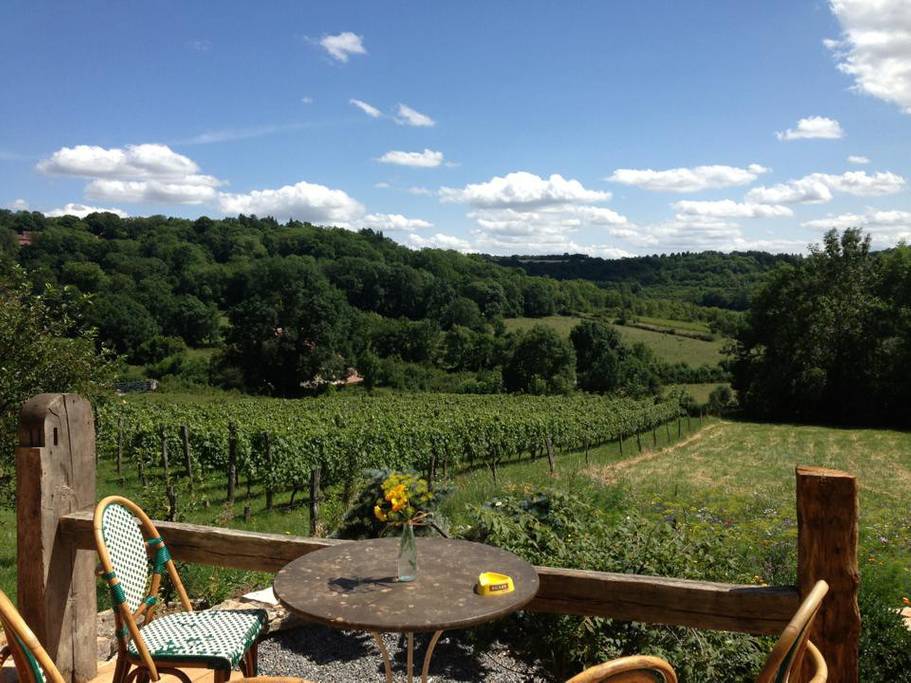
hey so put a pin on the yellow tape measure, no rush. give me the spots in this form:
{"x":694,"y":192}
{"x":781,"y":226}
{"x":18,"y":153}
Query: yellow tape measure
{"x":492,"y":583}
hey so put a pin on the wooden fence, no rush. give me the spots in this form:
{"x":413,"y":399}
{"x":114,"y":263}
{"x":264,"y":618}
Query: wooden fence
{"x":56,"y":557}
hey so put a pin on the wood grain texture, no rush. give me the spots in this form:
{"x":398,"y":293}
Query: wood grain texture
{"x":658,"y":600}
{"x":827,"y":519}
{"x":55,"y":467}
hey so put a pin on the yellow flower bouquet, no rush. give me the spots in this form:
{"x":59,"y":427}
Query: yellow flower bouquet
{"x":404,"y":499}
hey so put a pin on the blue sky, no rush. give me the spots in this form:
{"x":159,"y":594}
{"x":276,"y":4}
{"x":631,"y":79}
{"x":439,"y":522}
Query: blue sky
{"x":609,"y":128}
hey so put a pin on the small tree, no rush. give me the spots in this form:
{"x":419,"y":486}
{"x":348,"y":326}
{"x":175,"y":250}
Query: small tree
{"x":541,"y":363}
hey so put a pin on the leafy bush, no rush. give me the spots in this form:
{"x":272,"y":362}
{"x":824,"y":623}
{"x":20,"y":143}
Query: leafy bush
{"x":558,"y":529}
{"x":885,"y":641}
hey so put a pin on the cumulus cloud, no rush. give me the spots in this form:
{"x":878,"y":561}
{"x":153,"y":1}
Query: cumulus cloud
{"x":393,"y":221}
{"x":886,"y":227}
{"x":342,"y":45}
{"x":857,"y":159}
{"x":727,"y":208}
{"x":818,"y":127}
{"x":522,"y":189}
{"x":368,"y":109}
{"x":409,"y":117}
{"x":302,"y":201}
{"x":875,"y":47}
{"x":135,"y":173}
{"x":427,"y":159}
{"x":818,"y":187}
{"x":419,"y":190}
{"x":688,"y":179}
{"x":82,"y":210}
{"x":438,"y":241}
{"x":18,"y":205}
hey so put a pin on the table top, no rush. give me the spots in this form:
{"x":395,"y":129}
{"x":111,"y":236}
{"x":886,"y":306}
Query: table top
{"x":353,"y":586}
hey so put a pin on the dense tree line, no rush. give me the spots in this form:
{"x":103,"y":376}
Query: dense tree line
{"x":707,"y":278}
{"x":829,"y":338}
{"x":285,"y":304}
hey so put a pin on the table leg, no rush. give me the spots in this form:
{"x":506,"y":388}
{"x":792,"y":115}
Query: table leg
{"x":409,"y":666}
{"x":432,"y":644}
{"x":378,"y":637}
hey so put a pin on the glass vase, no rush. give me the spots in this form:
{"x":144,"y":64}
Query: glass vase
{"x":408,"y":554}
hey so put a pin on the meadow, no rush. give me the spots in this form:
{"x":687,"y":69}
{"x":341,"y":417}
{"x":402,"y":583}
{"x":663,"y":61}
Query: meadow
{"x":667,"y":347}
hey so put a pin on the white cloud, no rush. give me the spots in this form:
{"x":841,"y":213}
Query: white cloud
{"x":886,"y":227}
{"x":18,"y":205}
{"x":857,"y":159}
{"x":303,"y":201}
{"x":341,"y":46}
{"x":135,"y":173}
{"x":307,"y":99}
{"x":409,"y":117}
{"x":727,"y":208}
{"x":82,"y":210}
{"x":200,"y":45}
{"x":368,"y":109}
{"x":427,"y":159}
{"x":150,"y":191}
{"x":134,"y":161}
{"x":818,"y":187}
{"x":438,"y":241}
{"x":875,"y":47}
{"x":698,"y":233}
{"x":393,"y":221}
{"x":382,"y":185}
{"x":420,"y":191}
{"x":818,"y":127}
{"x":688,"y":179}
{"x":522,"y":189}
{"x":229,"y":134}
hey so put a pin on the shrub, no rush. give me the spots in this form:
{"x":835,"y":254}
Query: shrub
{"x":558,"y":529}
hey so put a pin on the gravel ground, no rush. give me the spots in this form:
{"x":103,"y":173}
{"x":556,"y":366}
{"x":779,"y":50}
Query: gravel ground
{"x":325,"y":655}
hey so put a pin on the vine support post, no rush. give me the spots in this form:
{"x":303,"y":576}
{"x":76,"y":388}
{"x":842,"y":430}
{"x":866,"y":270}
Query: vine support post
{"x":267,"y":445}
{"x":55,"y":476}
{"x":120,"y":448}
{"x":164,"y":454}
{"x":621,"y":444}
{"x":187,"y":461}
{"x":551,"y":462}
{"x":667,"y":430}
{"x":232,"y":460}
{"x":587,"y":461}
{"x":655,"y":436}
{"x":827,"y":525}
{"x":679,"y":426}
{"x":638,"y":441}
{"x":314,"y":500}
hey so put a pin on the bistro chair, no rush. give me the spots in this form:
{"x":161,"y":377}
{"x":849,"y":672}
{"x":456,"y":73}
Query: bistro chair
{"x":33,"y":664}
{"x":794,"y":642}
{"x":220,"y":640}
{"x":634,"y":669}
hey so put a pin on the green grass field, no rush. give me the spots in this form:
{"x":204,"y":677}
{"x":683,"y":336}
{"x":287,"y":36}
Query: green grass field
{"x":700,"y":392}
{"x":667,"y":347}
{"x":687,"y":325}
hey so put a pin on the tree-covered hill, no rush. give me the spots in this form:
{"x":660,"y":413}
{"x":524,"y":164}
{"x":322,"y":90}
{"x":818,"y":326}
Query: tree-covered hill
{"x":708,"y":278}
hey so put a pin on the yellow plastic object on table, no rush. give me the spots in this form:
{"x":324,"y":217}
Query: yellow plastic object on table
{"x":492,"y":583}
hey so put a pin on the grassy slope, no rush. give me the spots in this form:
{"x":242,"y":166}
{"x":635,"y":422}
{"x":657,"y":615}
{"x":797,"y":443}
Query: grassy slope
{"x":668,"y":347}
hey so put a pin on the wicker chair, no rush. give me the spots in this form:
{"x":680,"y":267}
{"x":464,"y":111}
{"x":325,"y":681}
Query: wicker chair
{"x":635,"y":669}
{"x":220,"y":640}
{"x":794,"y":643}
{"x":785,"y":656}
{"x":32,"y":661}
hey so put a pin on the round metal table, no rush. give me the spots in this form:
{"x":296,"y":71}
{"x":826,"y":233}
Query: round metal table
{"x":353,"y":586}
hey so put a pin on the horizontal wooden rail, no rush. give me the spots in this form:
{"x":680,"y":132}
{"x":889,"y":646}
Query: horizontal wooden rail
{"x":630,"y":597}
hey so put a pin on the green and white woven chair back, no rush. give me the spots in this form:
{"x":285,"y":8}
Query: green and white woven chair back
{"x":127,"y":548}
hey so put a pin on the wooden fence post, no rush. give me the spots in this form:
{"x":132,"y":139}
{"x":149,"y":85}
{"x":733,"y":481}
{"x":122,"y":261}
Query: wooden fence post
{"x":827,"y":549}
{"x":232,"y":461}
{"x":55,"y":475}
{"x":267,"y":444}
{"x":187,"y":460}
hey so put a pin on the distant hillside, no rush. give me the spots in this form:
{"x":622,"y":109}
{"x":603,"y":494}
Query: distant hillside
{"x":708,"y":278}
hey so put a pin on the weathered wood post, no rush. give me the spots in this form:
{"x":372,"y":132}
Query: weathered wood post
{"x":187,"y":460}
{"x":551,"y":462}
{"x":267,"y":444}
{"x":314,"y":500}
{"x":55,"y":475}
{"x":827,"y":522}
{"x":232,"y":461}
